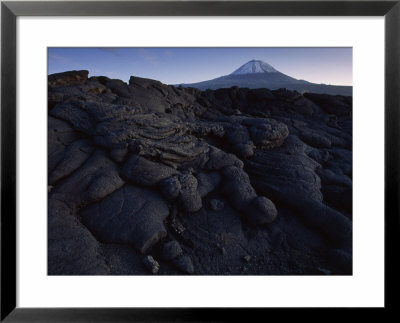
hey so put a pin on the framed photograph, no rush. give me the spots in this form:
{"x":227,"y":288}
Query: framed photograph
{"x":178,"y":160}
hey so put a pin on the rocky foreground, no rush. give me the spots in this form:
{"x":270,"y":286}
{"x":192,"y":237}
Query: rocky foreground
{"x":146,"y":178}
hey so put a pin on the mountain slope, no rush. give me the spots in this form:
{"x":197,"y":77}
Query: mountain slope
{"x":258,"y":74}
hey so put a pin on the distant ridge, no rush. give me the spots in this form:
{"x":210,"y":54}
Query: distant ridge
{"x":259,"y":74}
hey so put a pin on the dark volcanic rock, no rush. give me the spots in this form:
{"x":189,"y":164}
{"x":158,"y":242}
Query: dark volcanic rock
{"x":74,"y":156}
{"x":238,"y":189}
{"x":208,"y":182}
{"x":184,"y":263}
{"x":171,"y":250}
{"x":68,"y":238}
{"x":67,"y":78}
{"x":151,"y":265}
{"x":171,"y":187}
{"x":144,"y":172}
{"x":94,"y":180}
{"x":244,"y":150}
{"x":130,"y":215}
{"x":338,"y":104}
{"x":54,"y":98}
{"x":60,"y":135}
{"x":119,"y":154}
{"x":342,"y":259}
{"x":216,"y":205}
{"x":219,"y":159}
{"x":261,"y":211}
{"x":237,"y":134}
{"x":269,"y":134}
{"x":189,"y":197}
{"x":315,"y":139}
{"x":230,"y":181}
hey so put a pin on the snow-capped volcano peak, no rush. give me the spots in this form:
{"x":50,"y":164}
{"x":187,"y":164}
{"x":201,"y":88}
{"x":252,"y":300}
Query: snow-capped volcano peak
{"x":253,"y":67}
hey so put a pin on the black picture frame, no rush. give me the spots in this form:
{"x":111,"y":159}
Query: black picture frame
{"x":10,"y":10}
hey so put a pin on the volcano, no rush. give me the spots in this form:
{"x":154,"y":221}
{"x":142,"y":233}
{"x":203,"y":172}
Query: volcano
{"x":258,"y":74}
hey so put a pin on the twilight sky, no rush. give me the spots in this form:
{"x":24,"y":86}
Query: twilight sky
{"x":329,"y":65}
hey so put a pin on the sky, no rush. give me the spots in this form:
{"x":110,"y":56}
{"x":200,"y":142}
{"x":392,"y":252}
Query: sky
{"x":328,"y":65}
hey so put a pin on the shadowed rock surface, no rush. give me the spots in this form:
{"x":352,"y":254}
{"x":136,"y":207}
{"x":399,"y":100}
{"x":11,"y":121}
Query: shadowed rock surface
{"x":150,"y":179}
